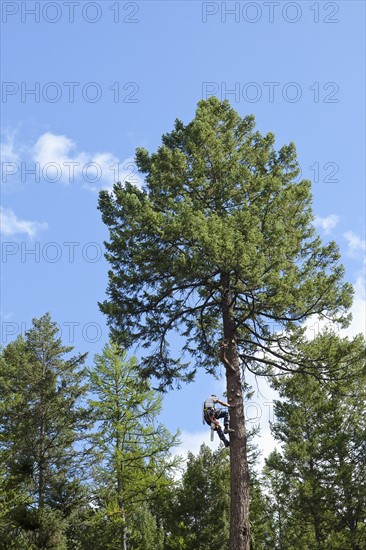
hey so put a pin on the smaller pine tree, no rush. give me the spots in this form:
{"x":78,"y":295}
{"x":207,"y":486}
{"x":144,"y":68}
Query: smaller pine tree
{"x":131,"y":448}
{"x":42,"y":418}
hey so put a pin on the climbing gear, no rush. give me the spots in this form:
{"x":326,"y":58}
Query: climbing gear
{"x":228,"y":430}
{"x":209,"y":416}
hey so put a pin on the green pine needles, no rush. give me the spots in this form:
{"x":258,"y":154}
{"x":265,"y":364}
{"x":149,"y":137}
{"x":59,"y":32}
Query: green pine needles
{"x":221,"y":213}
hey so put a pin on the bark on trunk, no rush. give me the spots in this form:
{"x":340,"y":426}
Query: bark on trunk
{"x":41,"y":483}
{"x":239,"y":474}
{"x":123,"y":528}
{"x":120,"y":496}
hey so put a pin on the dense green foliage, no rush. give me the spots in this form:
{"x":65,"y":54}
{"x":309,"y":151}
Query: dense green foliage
{"x":130,"y":447}
{"x":42,"y":419}
{"x":198,"y":514}
{"x":318,"y":481}
{"x":222,"y":213}
{"x":113,"y":485}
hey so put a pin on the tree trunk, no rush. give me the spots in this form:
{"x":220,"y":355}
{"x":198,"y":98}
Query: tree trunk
{"x":239,"y":474}
{"x":123,"y":528}
{"x":120,"y":496}
{"x":41,"y":488}
{"x":41,"y":483}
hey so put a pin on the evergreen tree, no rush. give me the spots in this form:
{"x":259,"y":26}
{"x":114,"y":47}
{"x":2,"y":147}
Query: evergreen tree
{"x":319,"y":480}
{"x":201,"y":514}
{"x":219,"y":247}
{"x":131,"y":447}
{"x":198,"y":511}
{"x":145,"y":532}
{"x":42,"y":418}
{"x":262,"y":525}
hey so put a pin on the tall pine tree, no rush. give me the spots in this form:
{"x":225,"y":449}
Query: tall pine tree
{"x":219,"y":247}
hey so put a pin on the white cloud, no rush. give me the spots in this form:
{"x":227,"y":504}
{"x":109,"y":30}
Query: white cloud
{"x":192,"y":441}
{"x":56,"y":158}
{"x":355,"y":243}
{"x":60,"y":160}
{"x":266,"y":444}
{"x":55,"y":148}
{"x":357,"y":249}
{"x":358,"y":309}
{"x":259,"y":411}
{"x":315,"y":325}
{"x":328,"y":223}
{"x":11,"y":225}
{"x":7,"y":147}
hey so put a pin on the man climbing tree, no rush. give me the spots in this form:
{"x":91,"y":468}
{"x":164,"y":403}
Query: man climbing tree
{"x":211,"y":416}
{"x":217,"y":247}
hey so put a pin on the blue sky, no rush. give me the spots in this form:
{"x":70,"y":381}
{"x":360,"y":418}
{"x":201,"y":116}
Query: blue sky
{"x":85,"y":83}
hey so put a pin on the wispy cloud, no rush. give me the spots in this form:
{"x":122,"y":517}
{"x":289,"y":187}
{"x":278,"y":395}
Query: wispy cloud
{"x":358,"y":309}
{"x":56,"y":158}
{"x":192,"y":441}
{"x":11,"y":225}
{"x":328,"y":223}
{"x":7,"y":146}
{"x":315,"y":325}
{"x":355,"y":243}
{"x":51,"y":148}
{"x":60,"y":160}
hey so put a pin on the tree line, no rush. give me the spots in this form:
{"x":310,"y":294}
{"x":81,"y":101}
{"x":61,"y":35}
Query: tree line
{"x":86,"y":464}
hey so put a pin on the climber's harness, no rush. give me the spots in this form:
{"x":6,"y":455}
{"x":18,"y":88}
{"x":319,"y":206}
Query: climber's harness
{"x":208,"y":414}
